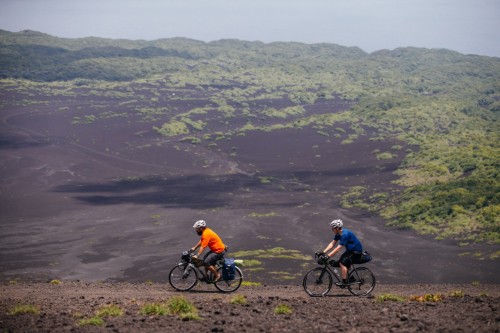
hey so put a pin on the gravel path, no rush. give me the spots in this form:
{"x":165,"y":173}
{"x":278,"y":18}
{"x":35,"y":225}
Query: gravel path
{"x":61,"y":308}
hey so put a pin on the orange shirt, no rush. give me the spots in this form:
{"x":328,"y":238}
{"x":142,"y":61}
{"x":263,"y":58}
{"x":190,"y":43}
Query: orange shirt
{"x":211,"y":240}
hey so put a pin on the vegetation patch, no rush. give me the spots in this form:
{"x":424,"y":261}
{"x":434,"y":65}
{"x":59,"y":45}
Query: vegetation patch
{"x":282,"y":275}
{"x":238,"y":299}
{"x":389,"y":298}
{"x":183,"y":308}
{"x":283,"y":309}
{"x":172,"y":128}
{"x":385,"y":156}
{"x":270,"y":214}
{"x":427,"y":298}
{"x":154,"y":309}
{"x":276,"y":252}
{"x":109,"y":310}
{"x":250,"y":262}
{"x":443,"y":106}
{"x":250,"y":284}
{"x":94,"y":321}
{"x":457,"y":294}
{"x":24,"y":309}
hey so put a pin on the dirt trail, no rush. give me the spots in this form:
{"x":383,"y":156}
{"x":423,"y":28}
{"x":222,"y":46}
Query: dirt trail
{"x":461,"y":308}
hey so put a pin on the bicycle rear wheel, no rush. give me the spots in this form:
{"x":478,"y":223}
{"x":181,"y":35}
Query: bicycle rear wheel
{"x":361,"y":281}
{"x":317,"y":282}
{"x":228,"y":286}
{"x":183,"y":277}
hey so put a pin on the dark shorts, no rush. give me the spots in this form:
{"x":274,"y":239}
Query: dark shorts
{"x":349,"y":258}
{"x":211,"y":257}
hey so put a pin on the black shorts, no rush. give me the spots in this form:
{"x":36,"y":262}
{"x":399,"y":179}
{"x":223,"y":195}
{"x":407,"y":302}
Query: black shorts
{"x":211,"y":257}
{"x":349,"y":258}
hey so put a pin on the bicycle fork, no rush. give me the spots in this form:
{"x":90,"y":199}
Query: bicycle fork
{"x":187,"y":271}
{"x":319,"y":280}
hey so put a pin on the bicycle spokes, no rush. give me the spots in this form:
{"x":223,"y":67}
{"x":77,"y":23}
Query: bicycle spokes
{"x":364,"y":281}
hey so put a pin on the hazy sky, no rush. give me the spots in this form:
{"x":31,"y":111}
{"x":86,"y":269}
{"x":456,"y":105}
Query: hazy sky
{"x":467,"y":26}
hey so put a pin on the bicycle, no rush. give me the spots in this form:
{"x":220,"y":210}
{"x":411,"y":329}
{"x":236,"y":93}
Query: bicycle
{"x":187,"y":273}
{"x":319,"y":281}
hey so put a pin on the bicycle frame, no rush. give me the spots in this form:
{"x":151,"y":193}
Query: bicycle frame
{"x":191,"y":266}
{"x":319,"y":281}
{"x":336,"y":273}
{"x":187,"y":273}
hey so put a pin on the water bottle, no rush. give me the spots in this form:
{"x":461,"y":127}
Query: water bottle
{"x":336,"y":271}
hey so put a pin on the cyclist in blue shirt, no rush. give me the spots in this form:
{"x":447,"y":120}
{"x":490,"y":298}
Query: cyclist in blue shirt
{"x":344,"y":238}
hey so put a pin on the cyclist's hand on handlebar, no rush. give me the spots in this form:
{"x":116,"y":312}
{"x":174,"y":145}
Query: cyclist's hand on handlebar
{"x":319,"y":253}
{"x":323,"y":259}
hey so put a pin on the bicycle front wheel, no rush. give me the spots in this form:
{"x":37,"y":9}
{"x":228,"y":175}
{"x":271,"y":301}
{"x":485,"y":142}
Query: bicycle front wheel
{"x":183,"y":277}
{"x":317,"y":282}
{"x":228,"y":286}
{"x":361,"y":281}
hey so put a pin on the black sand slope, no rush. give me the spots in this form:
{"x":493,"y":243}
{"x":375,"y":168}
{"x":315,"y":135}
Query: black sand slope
{"x":113,"y":200}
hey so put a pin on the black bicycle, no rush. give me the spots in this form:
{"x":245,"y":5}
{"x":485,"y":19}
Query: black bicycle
{"x":187,"y":274}
{"x":319,"y":281}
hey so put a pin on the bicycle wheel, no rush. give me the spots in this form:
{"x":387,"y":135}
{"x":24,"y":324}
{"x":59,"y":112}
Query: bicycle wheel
{"x":361,"y":281}
{"x":317,"y":282}
{"x":183,"y":277}
{"x":228,"y":286}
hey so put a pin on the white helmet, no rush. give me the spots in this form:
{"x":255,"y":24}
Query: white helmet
{"x":199,"y":224}
{"x":336,"y":224}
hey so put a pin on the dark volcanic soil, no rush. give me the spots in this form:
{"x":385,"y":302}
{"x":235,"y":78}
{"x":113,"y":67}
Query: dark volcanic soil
{"x":111,"y":200}
{"x":463,"y":308}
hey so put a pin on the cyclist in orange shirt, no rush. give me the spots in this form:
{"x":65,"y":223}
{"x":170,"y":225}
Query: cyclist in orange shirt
{"x":211,"y":240}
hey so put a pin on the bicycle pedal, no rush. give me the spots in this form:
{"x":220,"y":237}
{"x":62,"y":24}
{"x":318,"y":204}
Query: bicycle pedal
{"x":340,"y":285}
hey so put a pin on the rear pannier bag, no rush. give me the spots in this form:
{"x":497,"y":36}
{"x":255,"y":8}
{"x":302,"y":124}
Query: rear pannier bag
{"x":228,"y":268}
{"x":365,"y":257}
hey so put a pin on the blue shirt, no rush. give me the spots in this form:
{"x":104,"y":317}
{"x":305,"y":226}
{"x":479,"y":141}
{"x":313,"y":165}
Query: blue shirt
{"x":349,"y":241}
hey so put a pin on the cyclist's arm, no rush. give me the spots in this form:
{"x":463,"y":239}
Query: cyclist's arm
{"x":200,"y":251}
{"x":330,"y":246}
{"x":335,"y":250}
{"x":196,"y":246}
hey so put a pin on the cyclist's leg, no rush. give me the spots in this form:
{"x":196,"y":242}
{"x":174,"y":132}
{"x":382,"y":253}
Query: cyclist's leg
{"x":210,"y":260}
{"x":206,"y":259}
{"x":345,"y":263}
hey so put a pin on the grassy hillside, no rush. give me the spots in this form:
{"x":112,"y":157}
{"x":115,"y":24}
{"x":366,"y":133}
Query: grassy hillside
{"x":443,"y":106}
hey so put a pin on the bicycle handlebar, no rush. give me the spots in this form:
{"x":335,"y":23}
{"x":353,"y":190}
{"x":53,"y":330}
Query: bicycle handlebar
{"x":323,"y":259}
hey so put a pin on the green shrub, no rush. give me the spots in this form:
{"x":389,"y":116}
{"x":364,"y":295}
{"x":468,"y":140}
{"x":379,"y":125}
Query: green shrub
{"x":457,"y":294}
{"x":389,"y":297}
{"x":238,"y":299}
{"x":172,"y":128}
{"x":94,"y":321}
{"x":152,"y":309}
{"x":110,"y":310}
{"x":24,"y":309}
{"x":385,"y":156}
{"x":283,"y":309}
{"x":250,"y":284}
{"x":179,"y":305}
{"x":183,"y":308}
{"x":427,"y":298}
